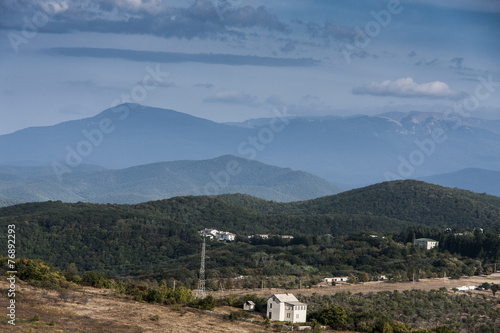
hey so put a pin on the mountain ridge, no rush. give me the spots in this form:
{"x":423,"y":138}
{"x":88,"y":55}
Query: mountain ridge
{"x":351,"y":151}
{"x":162,"y":180}
{"x":472,"y":179}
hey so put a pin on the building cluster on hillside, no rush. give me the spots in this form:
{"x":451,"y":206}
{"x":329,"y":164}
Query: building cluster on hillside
{"x":266,"y":236}
{"x":219,"y":235}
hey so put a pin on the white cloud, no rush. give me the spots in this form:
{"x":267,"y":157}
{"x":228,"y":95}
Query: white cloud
{"x":407,"y":87}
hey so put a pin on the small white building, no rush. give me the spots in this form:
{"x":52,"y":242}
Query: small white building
{"x":286,"y":307}
{"x":426,"y":243}
{"x":466,"y":288}
{"x":336,"y":279}
{"x":225,"y":236}
{"x":249,"y":306}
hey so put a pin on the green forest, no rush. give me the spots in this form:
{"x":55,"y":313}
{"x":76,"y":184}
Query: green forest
{"x":364,"y":231}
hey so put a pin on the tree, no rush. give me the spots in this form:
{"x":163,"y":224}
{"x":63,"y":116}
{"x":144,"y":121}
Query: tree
{"x":71,"y":273}
{"x":494,"y":288}
{"x":351,"y":279}
{"x":485,"y":285}
{"x":364,"y":277}
{"x":335,"y":316}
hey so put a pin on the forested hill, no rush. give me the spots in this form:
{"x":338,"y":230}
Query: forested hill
{"x":164,"y":233}
{"x":411,"y":201}
{"x":391,"y":205}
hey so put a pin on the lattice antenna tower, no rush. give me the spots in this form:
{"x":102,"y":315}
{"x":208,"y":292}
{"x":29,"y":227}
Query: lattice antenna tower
{"x":200,"y":293}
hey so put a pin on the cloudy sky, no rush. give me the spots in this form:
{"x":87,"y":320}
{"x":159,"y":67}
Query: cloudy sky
{"x":231,"y":60}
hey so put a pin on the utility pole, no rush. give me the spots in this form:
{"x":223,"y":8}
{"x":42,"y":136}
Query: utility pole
{"x":200,"y":293}
{"x":174,"y":284}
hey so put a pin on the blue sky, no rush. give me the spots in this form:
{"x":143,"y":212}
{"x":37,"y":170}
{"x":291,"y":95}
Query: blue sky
{"x":234,"y":60}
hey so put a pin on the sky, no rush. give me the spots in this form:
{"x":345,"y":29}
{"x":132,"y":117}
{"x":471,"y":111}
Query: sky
{"x":232,"y":60}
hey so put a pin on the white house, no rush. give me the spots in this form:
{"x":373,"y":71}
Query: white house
{"x":426,"y":243}
{"x":336,"y":279}
{"x":286,"y":307}
{"x":226,"y":236}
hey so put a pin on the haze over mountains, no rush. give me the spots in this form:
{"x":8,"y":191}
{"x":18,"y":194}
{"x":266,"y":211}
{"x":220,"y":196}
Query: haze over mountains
{"x":346,"y":151}
{"x":226,"y":174}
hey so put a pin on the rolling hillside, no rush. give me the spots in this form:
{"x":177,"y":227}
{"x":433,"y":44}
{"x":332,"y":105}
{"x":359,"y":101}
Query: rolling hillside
{"x":162,"y":235}
{"x":412,"y":201}
{"x":226,"y":174}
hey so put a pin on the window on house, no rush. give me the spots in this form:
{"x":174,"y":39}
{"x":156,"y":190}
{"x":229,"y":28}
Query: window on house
{"x":270,"y":305}
{"x":288,"y":315}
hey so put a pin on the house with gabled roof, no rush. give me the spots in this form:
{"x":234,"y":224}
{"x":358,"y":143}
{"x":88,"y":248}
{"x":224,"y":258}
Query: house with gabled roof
{"x":286,"y":307}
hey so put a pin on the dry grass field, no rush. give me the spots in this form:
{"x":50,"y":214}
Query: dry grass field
{"x":99,"y":310}
{"x":96,"y":310}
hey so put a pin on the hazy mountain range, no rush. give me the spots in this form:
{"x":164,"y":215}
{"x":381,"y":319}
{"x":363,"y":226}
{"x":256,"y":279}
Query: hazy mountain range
{"x":226,"y":174}
{"x":476,"y":180}
{"x":346,"y":151}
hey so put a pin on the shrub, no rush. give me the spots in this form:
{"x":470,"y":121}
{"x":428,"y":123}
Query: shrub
{"x":207,"y":303}
{"x":236,"y":315}
{"x":335,"y":316}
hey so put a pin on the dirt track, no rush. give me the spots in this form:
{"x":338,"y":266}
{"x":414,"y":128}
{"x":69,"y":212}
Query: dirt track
{"x":426,"y":284}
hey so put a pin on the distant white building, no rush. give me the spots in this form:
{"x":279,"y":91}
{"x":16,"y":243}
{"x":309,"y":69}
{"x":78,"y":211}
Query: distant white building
{"x":266,"y":236}
{"x":426,"y":243}
{"x":336,"y":279}
{"x":225,"y":236}
{"x":210,"y":233}
{"x":466,"y":288}
{"x":219,"y":235}
{"x":286,"y":307}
